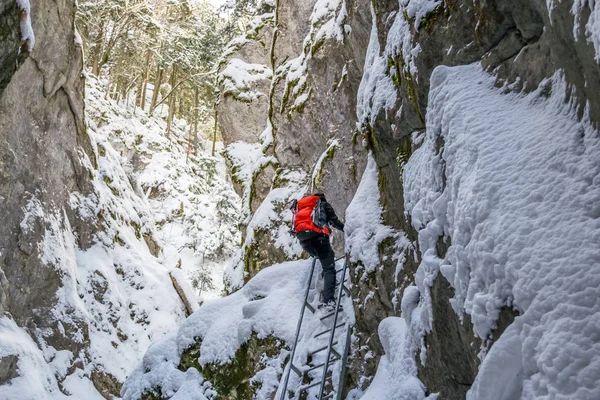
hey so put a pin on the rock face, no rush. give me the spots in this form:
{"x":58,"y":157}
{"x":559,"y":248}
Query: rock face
{"x":77,"y":273}
{"x":317,"y":99}
{"x":307,"y":118}
{"x":41,"y":123}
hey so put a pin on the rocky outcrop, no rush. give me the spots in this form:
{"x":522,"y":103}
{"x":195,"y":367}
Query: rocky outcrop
{"x":41,"y":121}
{"x":308,"y":124}
{"x":313,"y":101}
{"x":521,"y":43}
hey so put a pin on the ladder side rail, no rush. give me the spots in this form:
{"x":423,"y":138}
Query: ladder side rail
{"x":344,"y":361}
{"x":332,"y":334}
{"x":299,"y":326}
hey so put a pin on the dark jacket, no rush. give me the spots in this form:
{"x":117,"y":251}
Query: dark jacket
{"x":332,"y":219}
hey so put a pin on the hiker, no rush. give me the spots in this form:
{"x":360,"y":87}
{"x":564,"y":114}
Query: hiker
{"x":312,"y":217}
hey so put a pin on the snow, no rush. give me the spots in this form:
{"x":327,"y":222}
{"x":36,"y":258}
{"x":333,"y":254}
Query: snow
{"x":116,"y":298}
{"x":396,"y":377}
{"x":376,"y":90}
{"x":268,"y":305}
{"x":239,"y":79}
{"x":332,"y":145}
{"x":326,"y":23}
{"x":246,"y":159}
{"x":27,"y":34}
{"x":364,"y":228}
{"x":592,"y":27}
{"x":36,"y":378}
{"x":272,"y":216}
{"x":418,"y":9}
{"x":192,"y":206}
{"x":334,"y":12}
{"x":520,"y":203}
{"x":253,"y":28}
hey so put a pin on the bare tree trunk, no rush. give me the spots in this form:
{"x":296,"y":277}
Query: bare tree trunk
{"x":196,"y":120}
{"x":212,"y":153}
{"x":138,"y":93}
{"x":145,"y":79}
{"x":108,"y":86}
{"x":157,"y":83}
{"x":124,"y":93}
{"x":186,"y":302}
{"x":97,"y":50}
{"x":172,"y":99}
{"x":189,"y":140}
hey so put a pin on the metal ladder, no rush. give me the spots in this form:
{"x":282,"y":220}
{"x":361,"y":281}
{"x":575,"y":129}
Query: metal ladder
{"x":332,"y":355}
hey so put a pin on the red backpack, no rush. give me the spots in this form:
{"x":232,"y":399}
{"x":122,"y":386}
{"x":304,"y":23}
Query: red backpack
{"x":308,"y":214}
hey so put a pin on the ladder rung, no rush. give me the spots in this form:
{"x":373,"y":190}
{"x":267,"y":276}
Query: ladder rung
{"x":345,"y":289}
{"x":335,"y":353}
{"x":329,"y":330}
{"x":306,"y":387}
{"x":321,"y":349}
{"x":296,"y":370}
{"x":330,"y":314}
{"x":339,"y":270}
{"x":311,"y":308}
{"x":320,"y":365}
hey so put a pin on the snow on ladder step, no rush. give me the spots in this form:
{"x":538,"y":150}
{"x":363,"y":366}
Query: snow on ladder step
{"x":329,"y":330}
{"x":320,"y":349}
{"x":320,"y":365}
{"x":306,"y":387}
{"x":296,"y":370}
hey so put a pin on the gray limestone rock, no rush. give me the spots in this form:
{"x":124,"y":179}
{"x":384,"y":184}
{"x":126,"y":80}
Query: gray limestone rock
{"x":518,"y":41}
{"x":43,"y":133}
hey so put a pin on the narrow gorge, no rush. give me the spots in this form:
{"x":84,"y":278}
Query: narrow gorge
{"x":145,"y":249}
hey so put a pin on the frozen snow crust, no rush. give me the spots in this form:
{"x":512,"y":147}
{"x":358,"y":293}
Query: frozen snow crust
{"x":268,"y":305}
{"x":516,"y":187}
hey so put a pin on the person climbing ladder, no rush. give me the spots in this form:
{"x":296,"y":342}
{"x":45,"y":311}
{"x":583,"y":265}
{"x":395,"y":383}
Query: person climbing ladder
{"x":312,"y":216}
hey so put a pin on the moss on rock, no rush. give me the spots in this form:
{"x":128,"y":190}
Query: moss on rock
{"x":233,"y":380}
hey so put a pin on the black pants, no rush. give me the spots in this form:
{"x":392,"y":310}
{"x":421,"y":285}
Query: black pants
{"x":320,"y":247}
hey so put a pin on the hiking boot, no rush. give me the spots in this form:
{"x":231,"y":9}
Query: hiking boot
{"x":329,"y":307}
